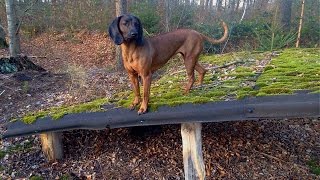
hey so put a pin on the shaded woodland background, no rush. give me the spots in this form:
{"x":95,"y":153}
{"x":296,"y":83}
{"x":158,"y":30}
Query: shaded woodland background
{"x":266,"y":25}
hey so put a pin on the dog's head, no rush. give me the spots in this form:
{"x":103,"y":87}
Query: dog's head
{"x":126,"y":28}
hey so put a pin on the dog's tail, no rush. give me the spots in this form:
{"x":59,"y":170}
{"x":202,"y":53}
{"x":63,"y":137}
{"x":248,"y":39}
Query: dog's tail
{"x":223,"y":38}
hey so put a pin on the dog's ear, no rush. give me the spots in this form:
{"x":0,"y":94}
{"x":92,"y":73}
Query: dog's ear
{"x":139,"y":39}
{"x":114,"y":31}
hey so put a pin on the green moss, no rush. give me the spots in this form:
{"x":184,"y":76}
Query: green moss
{"x":314,"y":167}
{"x":36,"y":178}
{"x":294,"y":69}
{"x":59,"y":112}
{"x":284,"y":75}
{"x":65,"y":177}
{"x":2,"y":154}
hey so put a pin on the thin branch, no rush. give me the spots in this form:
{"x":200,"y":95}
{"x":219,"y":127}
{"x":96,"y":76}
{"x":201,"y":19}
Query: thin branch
{"x":244,"y":12}
{"x":25,"y":11}
{"x":215,"y":67}
{"x":2,"y":92}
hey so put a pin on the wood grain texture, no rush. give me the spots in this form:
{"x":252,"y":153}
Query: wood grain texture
{"x":52,"y":145}
{"x":192,"y":151}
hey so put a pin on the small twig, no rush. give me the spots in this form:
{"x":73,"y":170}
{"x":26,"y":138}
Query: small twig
{"x":7,"y":57}
{"x":215,"y":67}
{"x":7,"y":87}
{"x":271,"y":157}
{"x":2,"y":92}
{"x":280,"y":160}
{"x":37,"y":56}
{"x":226,"y":65}
{"x":25,"y":11}
{"x":101,"y":169}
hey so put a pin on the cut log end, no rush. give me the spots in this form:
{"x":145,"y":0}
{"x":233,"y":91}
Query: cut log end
{"x":192,"y":151}
{"x":52,"y":145}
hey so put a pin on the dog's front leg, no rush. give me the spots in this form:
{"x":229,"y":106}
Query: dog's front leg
{"x":135,"y":85}
{"x":146,"y":93}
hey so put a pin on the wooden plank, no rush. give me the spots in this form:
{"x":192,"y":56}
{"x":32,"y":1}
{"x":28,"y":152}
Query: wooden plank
{"x":273,"y":107}
{"x":192,"y":151}
{"x":52,"y":145}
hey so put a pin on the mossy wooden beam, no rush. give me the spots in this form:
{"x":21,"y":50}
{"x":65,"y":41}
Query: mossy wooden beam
{"x":192,"y":151}
{"x":52,"y":145}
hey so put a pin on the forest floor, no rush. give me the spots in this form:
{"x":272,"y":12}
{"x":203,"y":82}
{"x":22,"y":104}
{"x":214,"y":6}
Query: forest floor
{"x":81,"y":68}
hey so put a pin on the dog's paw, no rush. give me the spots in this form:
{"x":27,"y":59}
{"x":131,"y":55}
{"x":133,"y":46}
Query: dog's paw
{"x":132,"y":107}
{"x":142,"y":111}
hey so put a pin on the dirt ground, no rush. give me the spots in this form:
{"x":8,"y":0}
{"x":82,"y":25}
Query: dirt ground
{"x":80,"y":68}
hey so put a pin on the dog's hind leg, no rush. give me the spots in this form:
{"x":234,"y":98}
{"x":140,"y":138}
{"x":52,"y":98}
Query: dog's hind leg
{"x":190,"y":65}
{"x":202,"y":71}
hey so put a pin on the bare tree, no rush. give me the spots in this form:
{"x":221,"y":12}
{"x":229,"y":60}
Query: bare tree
{"x":202,"y":4}
{"x":219,"y":6}
{"x":300,"y":24}
{"x":3,"y":42}
{"x":285,"y":14}
{"x":13,"y":28}
{"x":121,"y":8}
{"x":167,"y":15}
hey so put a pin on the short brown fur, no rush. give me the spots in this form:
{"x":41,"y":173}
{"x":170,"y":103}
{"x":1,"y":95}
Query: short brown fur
{"x":144,"y":59}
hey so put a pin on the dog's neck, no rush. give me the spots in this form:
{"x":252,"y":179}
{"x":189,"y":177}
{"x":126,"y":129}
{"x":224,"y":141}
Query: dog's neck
{"x":128,"y":48}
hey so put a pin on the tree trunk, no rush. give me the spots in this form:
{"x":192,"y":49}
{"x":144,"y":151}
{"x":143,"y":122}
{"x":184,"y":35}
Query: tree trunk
{"x":121,"y":8}
{"x":300,"y":24}
{"x":3,"y":42}
{"x":219,"y":6}
{"x":285,"y":14}
{"x":167,"y":15}
{"x":207,"y":5}
{"x":187,"y":2}
{"x":13,"y":28}
{"x":202,"y":4}
{"x":210,"y":4}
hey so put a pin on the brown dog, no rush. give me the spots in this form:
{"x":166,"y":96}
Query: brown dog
{"x":142,"y":57}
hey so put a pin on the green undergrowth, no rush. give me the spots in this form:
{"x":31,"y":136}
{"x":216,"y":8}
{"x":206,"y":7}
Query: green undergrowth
{"x":294,"y":69}
{"x":58,"y":112}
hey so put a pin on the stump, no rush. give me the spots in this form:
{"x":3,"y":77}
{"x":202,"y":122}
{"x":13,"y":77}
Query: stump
{"x":14,"y":64}
{"x":52,"y":145}
{"x":192,"y":151}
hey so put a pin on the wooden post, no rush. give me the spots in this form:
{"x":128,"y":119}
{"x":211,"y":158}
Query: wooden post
{"x":192,"y":151}
{"x":52,"y":145}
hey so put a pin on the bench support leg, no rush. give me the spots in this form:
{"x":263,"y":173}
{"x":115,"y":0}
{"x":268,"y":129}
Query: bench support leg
{"x":52,"y":145}
{"x":192,"y":151}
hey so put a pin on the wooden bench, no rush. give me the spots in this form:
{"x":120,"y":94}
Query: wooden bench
{"x":190,"y":116}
